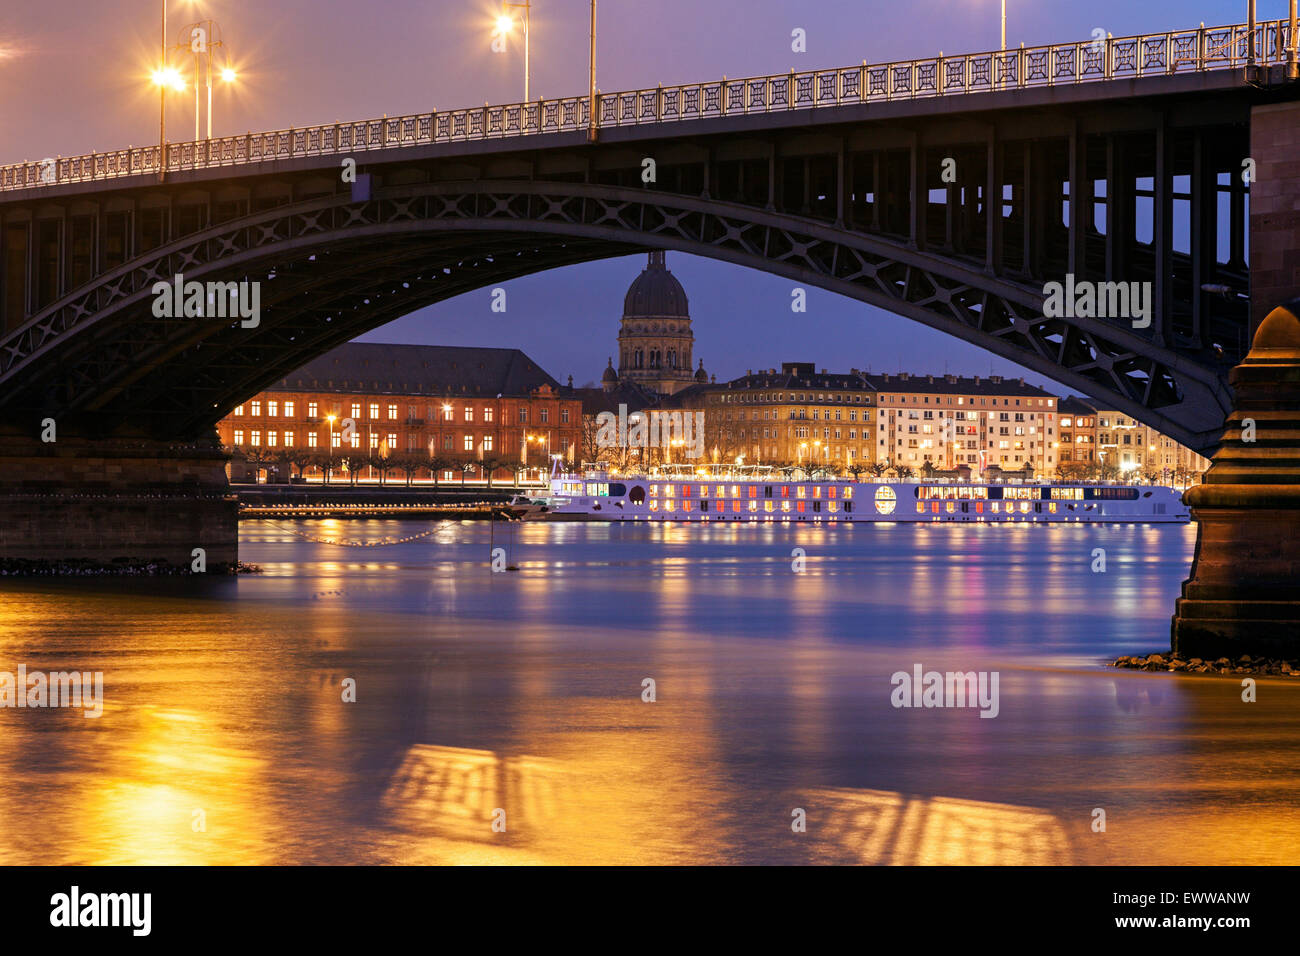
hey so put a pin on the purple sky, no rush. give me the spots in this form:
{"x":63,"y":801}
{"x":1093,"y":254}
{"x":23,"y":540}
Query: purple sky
{"x":74,"y":78}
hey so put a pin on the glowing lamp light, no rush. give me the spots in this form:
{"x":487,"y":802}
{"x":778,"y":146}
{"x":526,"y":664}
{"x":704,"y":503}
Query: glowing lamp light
{"x":168,"y":77}
{"x":505,"y":23}
{"x":228,"y":75}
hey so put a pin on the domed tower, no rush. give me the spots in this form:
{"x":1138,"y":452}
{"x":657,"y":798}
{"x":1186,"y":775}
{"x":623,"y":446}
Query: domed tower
{"x":655,"y":340}
{"x":609,"y":381}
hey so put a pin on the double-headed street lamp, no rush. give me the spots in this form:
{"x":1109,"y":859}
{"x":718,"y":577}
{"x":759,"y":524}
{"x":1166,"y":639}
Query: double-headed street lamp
{"x":201,"y":37}
{"x":166,"y":77}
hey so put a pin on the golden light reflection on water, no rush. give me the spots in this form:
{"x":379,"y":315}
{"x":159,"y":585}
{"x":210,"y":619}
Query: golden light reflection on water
{"x":522,"y":692}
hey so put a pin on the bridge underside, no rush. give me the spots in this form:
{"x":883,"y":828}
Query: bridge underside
{"x":956,"y":221}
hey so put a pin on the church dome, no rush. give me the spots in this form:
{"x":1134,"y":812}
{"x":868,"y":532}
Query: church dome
{"x":610,"y":375}
{"x":701,"y":376}
{"x":656,"y":293}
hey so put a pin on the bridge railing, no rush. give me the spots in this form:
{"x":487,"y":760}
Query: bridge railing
{"x":1094,"y":60}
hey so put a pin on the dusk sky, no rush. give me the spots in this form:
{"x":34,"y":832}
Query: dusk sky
{"x":74,"y":78}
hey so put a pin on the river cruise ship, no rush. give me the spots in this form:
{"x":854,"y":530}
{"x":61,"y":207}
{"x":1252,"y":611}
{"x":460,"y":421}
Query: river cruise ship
{"x":756,"y":493}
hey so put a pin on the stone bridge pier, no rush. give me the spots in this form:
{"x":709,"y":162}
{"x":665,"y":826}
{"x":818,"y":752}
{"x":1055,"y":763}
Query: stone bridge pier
{"x":1243,"y":595}
{"x":80,"y":503}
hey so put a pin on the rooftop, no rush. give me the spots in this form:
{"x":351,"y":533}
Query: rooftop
{"x":375,"y":368}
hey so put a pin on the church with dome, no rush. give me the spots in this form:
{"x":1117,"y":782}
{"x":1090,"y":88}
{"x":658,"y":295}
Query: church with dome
{"x":655,"y":342}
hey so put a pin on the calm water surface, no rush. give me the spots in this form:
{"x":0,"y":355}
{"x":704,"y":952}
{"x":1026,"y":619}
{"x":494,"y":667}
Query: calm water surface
{"x":225,"y":739}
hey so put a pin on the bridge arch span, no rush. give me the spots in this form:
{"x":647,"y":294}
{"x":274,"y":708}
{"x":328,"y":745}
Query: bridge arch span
{"x":331,"y":269}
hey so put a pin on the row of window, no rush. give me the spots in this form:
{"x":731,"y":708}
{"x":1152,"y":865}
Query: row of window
{"x":798,"y":507}
{"x":769,"y":491}
{"x":446,"y":412}
{"x":962,"y":400}
{"x":287,"y":439}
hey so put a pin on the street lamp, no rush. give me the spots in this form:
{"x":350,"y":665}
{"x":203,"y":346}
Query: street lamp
{"x":506,"y":22}
{"x":202,"y":36}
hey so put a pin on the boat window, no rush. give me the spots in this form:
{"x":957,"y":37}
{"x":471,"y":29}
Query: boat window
{"x":617,"y":489}
{"x":1111,"y":494}
{"x":636,"y":495}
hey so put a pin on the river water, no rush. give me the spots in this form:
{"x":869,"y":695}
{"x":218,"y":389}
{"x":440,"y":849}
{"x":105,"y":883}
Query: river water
{"x":501,"y":717}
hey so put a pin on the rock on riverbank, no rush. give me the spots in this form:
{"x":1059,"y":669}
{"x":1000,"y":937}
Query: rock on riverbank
{"x":1245,"y":664}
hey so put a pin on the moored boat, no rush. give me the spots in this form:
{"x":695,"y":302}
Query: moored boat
{"x":756,"y":494}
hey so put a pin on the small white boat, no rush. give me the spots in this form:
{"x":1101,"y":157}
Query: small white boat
{"x":754,"y":494}
{"x":526,"y":509}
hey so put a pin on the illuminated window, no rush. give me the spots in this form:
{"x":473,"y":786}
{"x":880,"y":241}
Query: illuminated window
{"x":392,"y":441}
{"x":735,"y":505}
{"x":487,"y":413}
{"x":256,"y":409}
{"x":288,"y":439}
{"x":239,"y":436}
{"x":469,"y":442}
{"x":767,"y":506}
{"x":336,"y":440}
{"x":392,"y":412}
{"x":487,"y":442}
{"x":239,"y":410}
{"x":311,"y":410}
{"x":785,"y":506}
{"x":374,"y":410}
{"x":753,"y":492}
{"x":256,"y":441}
{"x":799,"y":505}
{"x":469,"y":413}
{"x":311,"y":439}
{"x":374,"y":441}
{"x":356,"y":410}
{"x":801,"y":492}
{"x":288,"y":409}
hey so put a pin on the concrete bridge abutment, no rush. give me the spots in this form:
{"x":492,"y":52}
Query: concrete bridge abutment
{"x":120,"y":503}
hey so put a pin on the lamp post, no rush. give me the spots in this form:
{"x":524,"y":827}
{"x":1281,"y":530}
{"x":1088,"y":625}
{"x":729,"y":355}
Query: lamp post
{"x":506,"y":22}
{"x":591,"y":110}
{"x":1003,"y":47}
{"x":329,"y":457}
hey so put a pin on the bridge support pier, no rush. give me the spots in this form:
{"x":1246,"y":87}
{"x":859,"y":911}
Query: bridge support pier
{"x":1243,"y":596}
{"x":77,"y":503}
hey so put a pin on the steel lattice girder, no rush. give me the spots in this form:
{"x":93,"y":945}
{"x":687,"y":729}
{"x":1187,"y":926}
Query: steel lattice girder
{"x":100,"y":351}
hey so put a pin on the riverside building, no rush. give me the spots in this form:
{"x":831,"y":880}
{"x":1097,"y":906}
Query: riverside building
{"x":449,"y":407}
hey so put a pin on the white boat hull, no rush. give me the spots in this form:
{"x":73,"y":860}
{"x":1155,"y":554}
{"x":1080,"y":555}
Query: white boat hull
{"x":848,"y":502}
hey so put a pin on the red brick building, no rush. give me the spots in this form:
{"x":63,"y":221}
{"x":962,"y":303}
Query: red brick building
{"x":411,"y":410}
